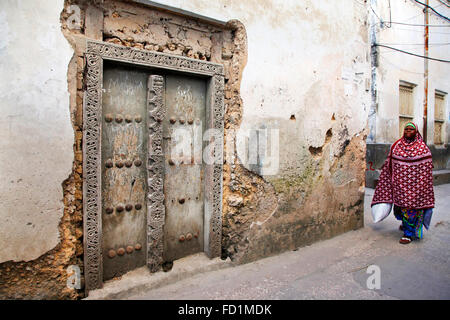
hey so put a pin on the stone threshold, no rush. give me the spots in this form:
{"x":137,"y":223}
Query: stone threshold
{"x":141,"y":279}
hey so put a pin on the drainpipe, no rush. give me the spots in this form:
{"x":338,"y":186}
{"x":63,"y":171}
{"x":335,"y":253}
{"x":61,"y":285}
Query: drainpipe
{"x":425,"y":74}
{"x":371,"y":138}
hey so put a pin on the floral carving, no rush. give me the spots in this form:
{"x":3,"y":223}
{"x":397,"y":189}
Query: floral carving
{"x":96,"y":52}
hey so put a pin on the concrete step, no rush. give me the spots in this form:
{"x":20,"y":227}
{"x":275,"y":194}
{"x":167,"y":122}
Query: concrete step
{"x":142,"y":280}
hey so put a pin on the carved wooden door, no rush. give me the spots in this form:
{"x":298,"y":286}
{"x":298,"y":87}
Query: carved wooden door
{"x":126,"y":104}
{"x":124,"y":176}
{"x":144,"y":202}
{"x":185,"y":104}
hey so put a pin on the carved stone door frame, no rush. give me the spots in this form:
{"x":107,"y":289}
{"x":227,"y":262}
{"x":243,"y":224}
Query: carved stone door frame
{"x":96,"y":53}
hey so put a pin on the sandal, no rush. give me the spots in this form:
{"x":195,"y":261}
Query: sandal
{"x":405,"y":240}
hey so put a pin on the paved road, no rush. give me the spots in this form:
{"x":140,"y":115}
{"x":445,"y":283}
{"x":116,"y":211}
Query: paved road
{"x":337,"y":268}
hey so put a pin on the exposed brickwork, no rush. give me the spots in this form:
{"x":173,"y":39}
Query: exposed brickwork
{"x":46,"y":277}
{"x":128,"y":24}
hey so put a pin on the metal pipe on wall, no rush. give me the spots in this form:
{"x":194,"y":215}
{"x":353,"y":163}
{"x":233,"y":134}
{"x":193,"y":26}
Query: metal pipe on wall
{"x":425,"y":100}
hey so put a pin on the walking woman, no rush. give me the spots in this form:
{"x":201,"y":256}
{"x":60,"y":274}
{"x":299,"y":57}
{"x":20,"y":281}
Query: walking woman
{"x":406,"y":180}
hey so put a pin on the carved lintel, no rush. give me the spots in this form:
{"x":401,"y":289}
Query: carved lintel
{"x":151,"y":58}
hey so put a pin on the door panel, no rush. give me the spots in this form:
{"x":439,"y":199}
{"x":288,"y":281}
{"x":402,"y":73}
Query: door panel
{"x":185,"y":101}
{"x":124,"y":173}
{"x":124,"y":176}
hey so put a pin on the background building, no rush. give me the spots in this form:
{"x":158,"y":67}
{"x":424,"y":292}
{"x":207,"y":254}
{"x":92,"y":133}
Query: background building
{"x":407,"y":87}
{"x":298,"y":87}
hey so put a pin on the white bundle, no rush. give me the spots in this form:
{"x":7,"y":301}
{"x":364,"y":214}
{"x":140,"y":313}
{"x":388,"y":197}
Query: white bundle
{"x":380,"y":211}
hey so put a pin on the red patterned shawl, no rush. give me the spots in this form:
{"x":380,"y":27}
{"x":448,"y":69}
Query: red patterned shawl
{"x":411,"y":183}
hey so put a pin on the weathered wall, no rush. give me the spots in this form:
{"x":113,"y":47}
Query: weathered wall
{"x":40,"y":229}
{"x":306,"y":75}
{"x":299,"y":68}
{"x":395,"y":66}
{"x":124,"y":24}
{"x":36,"y":136}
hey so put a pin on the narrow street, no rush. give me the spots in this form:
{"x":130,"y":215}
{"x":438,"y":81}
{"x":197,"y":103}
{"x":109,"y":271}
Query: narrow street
{"x":337,"y":268}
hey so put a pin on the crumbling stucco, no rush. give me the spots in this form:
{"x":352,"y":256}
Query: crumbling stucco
{"x":39,"y":227}
{"x":36,"y":135}
{"x":124,"y":23}
{"x":315,"y":97}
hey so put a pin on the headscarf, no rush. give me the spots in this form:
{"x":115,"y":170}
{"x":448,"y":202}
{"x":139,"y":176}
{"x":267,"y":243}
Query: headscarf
{"x":410,"y":124}
{"x":406,"y":177}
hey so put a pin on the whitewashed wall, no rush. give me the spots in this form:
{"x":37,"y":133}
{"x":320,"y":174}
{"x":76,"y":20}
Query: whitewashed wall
{"x":306,"y":58}
{"x":36,"y":136}
{"x":395,"y":66}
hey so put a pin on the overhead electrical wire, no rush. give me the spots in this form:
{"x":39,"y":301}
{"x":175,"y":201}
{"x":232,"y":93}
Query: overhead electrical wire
{"x":363,"y":4}
{"x":410,"y":53}
{"x":420,"y":25}
{"x":408,"y":19}
{"x":415,"y":30}
{"x":434,"y":10}
{"x":390,"y":15}
{"x":448,"y":5}
{"x":398,"y":67}
{"x":416,"y":44}
{"x":409,"y":24}
{"x":381,"y":21}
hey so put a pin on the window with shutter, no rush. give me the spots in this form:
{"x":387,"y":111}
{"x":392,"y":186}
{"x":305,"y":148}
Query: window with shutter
{"x":439,"y":118}
{"x":406,"y":105}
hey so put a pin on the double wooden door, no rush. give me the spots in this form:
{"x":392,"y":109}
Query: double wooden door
{"x":125,"y":176}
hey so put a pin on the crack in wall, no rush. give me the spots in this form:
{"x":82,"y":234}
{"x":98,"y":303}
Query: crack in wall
{"x":261,"y":216}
